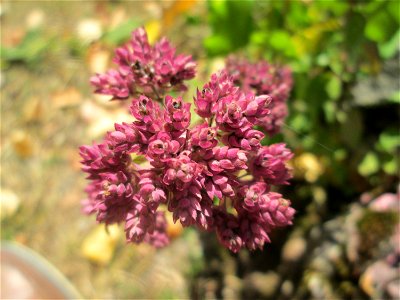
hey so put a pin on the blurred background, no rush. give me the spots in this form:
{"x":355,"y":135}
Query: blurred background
{"x":343,"y":126}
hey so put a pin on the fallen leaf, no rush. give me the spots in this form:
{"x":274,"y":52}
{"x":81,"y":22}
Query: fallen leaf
{"x":98,"y":59}
{"x":99,"y":245}
{"x":101,"y":120}
{"x":33,"y":110}
{"x":117,"y":17}
{"x":22,"y":143}
{"x":14,"y":37}
{"x":68,"y":97}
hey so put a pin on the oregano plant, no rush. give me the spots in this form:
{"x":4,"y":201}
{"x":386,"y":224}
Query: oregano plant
{"x":214,"y":175}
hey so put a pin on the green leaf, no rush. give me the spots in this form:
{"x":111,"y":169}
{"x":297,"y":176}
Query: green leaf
{"x":232,"y":24}
{"x":391,"y":167}
{"x":395,"y":97}
{"x":353,"y":35}
{"x":330,"y":110}
{"x":121,"y":33}
{"x":217,"y":44}
{"x":281,"y":40}
{"x":259,"y":38}
{"x":334,"y":87}
{"x":30,"y":50}
{"x":300,"y":123}
{"x":369,"y":165}
{"x":394,"y":10}
{"x":380,"y":27}
{"x":216,"y":201}
{"x":389,"y":140}
{"x":390,"y":48}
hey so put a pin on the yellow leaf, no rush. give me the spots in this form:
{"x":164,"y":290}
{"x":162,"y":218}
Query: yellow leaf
{"x":99,"y":245}
{"x":174,"y":230}
{"x":153,"y":29}
{"x":68,"y":97}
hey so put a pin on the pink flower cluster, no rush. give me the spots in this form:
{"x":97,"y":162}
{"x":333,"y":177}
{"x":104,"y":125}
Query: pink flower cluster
{"x":262,"y":78}
{"x":145,"y":69}
{"x":215,"y":175}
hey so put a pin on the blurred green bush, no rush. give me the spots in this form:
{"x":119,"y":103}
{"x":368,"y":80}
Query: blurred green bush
{"x":344,"y":56}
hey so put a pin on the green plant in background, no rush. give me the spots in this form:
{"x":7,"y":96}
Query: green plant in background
{"x":30,"y":50}
{"x":343,"y":55}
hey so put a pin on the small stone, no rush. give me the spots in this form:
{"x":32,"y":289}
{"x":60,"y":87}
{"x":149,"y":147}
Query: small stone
{"x":287,"y":288}
{"x":89,"y":30}
{"x":265,"y":284}
{"x":294,"y":249}
{"x":9,"y":203}
{"x":334,"y":253}
{"x":322,"y":265}
{"x":35,"y":19}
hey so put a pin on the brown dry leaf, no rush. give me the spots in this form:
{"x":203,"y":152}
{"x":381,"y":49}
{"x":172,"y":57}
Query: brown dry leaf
{"x":101,"y":120}
{"x":22,"y":143}
{"x":74,"y":159}
{"x":104,"y":100}
{"x":106,"y":123}
{"x":117,"y":17}
{"x":21,"y":238}
{"x":13,"y":37}
{"x":33,"y":110}
{"x":68,"y":97}
{"x":98,"y":59}
{"x":90,"y":111}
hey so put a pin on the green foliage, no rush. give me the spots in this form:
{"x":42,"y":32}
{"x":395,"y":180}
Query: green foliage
{"x":30,"y":50}
{"x":121,"y":33}
{"x":231,"y":23}
{"x":369,"y":165}
{"x":330,"y":46}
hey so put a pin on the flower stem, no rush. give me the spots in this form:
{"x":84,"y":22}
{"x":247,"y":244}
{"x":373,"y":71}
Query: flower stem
{"x":210,"y":121}
{"x":153,"y":88}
